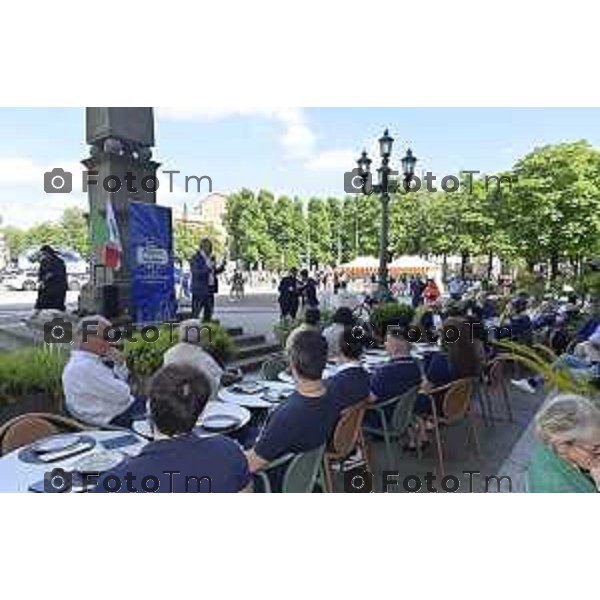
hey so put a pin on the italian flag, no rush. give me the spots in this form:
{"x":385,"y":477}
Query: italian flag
{"x":105,"y":236}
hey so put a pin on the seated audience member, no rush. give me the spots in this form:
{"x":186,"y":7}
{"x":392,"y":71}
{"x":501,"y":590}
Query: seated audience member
{"x":189,"y":351}
{"x":312,"y":318}
{"x":589,"y":351}
{"x":351,"y":383}
{"x":521,"y":328}
{"x":461,"y":359}
{"x":177,"y":460}
{"x":567,"y":459}
{"x":489,"y":307}
{"x":591,"y":324}
{"x":307,"y":418}
{"x":94,"y":392}
{"x":342,"y":318}
{"x":395,"y":377}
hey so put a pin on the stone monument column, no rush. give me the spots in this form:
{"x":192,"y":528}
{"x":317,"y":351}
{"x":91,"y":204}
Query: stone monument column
{"x":121,"y":141}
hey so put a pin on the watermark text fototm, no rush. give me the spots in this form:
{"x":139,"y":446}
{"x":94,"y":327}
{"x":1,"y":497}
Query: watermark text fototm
{"x":59,"y":481}
{"x":361,"y":481}
{"x":356,"y":182}
{"x":59,"y":331}
{"x":449,"y":334}
{"x":59,"y":181}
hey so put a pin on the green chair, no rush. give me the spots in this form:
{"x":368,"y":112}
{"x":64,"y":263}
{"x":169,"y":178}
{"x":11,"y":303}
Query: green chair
{"x":396,"y":426}
{"x":272,"y":367}
{"x":301,"y":475}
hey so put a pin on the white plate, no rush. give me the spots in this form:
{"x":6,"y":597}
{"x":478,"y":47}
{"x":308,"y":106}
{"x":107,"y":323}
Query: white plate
{"x":56,"y":443}
{"x":285,"y":377}
{"x":98,"y":462}
{"x":248,"y":387}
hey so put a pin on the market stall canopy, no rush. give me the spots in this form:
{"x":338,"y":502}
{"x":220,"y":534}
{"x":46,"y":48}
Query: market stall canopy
{"x":361,"y":264}
{"x":412,"y":264}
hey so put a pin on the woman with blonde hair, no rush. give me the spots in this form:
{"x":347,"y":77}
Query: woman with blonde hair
{"x":567,"y":459}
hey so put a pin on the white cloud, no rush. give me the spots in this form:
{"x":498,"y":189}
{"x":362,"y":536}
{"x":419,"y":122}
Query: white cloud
{"x":24,"y":210}
{"x":297,"y":136}
{"x":332,"y":160}
{"x":208,"y":113}
{"x":23,"y":201}
{"x":17,"y":171}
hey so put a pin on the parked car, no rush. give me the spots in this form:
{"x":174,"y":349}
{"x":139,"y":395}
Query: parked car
{"x":21,"y":280}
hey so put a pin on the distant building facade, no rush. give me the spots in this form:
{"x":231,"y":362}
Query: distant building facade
{"x":207,"y":211}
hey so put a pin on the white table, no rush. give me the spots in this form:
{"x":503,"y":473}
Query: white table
{"x":257,"y":400}
{"x":17,"y":476}
{"x":211,"y":409}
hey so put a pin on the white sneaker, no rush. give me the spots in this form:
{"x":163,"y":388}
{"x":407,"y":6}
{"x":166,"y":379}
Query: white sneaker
{"x":523,"y":385}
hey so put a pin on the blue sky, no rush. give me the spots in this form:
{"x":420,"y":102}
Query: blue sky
{"x":288,"y":150}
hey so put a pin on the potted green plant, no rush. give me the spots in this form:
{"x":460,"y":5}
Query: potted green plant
{"x":402,"y":314}
{"x":31,"y":381}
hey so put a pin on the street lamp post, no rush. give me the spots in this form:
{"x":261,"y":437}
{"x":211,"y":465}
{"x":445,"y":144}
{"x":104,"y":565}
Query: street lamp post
{"x":383,"y":188}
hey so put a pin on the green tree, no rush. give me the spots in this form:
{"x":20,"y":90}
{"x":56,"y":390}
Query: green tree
{"x":247,"y":229}
{"x":350,"y":231}
{"x":187,"y":236}
{"x":319,"y":232}
{"x":75,"y":230}
{"x":555,"y":203}
{"x":368,"y":211}
{"x":336,"y":227}
{"x":299,"y":229}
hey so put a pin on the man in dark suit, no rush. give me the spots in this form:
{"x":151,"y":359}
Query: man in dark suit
{"x":288,"y":294}
{"x":52,"y":279}
{"x":205,"y":283}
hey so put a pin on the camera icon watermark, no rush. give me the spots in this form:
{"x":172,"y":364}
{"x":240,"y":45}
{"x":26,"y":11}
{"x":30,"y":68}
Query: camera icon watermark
{"x":356,"y":183}
{"x":358,"y":481}
{"x":58,"y":481}
{"x":58,"y":331}
{"x":58,"y":181}
{"x":360,"y":333}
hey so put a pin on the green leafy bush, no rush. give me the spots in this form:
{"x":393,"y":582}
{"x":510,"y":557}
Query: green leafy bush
{"x":31,"y":370}
{"x":402,"y":313}
{"x":145,"y":358}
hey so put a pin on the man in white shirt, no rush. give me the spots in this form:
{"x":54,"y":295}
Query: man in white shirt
{"x":94,"y":394}
{"x":189,"y":352}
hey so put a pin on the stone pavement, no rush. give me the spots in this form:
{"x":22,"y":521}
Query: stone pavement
{"x":505,"y":448}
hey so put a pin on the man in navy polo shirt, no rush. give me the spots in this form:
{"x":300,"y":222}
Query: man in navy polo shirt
{"x":351,"y":383}
{"x":395,"y":377}
{"x":177,"y":460}
{"x":307,"y":418}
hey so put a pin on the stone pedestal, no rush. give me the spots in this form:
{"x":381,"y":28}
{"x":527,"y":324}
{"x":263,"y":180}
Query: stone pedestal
{"x":120,"y":140}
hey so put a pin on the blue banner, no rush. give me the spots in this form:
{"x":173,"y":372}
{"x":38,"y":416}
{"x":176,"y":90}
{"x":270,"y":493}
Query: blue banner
{"x":150,"y":261}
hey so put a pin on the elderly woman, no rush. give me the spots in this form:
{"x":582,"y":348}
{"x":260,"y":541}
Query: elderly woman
{"x":189,"y":351}
{"x":568,"y":457}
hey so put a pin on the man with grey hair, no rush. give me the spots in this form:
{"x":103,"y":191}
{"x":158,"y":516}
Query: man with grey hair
{"x":94,"y":394}
{"x":189,"y":351}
